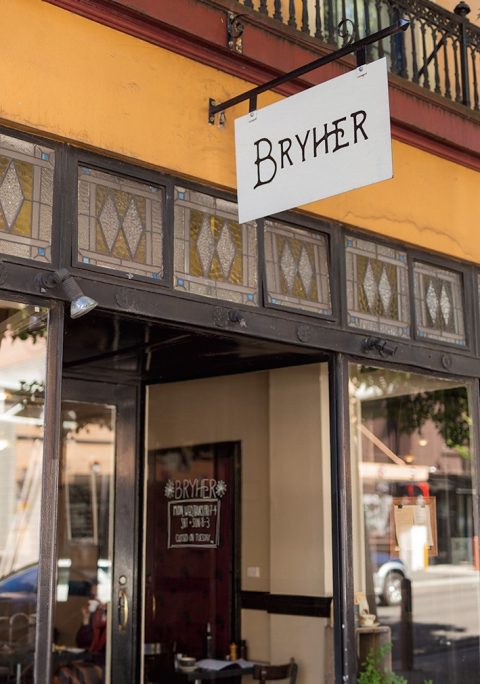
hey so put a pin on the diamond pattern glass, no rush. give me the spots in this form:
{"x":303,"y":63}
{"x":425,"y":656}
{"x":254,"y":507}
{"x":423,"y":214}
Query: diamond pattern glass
{"x":296,"y":264}
{"x":377,"y":288}
{"x":215,"y":256}
{"x":26,"y":197}
{"x":439,"y":304}
{"x":120,"y":224}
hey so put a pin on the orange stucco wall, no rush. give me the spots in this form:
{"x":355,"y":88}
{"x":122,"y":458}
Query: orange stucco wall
{"x":69,"y":77}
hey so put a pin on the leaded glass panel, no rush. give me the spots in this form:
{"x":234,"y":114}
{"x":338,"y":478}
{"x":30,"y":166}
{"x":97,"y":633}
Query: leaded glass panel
{"x":215,"y":256}
{"x":296,"y":264}
{"x":377,"y":287}
{"x":26,"y":198}
{"x":438,"y":304}
{"x":120,"y":224}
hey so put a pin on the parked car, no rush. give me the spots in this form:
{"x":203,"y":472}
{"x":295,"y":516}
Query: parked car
{"x":387,"y":578}
{"x":18,"y":606}
{"x":23,"y":584}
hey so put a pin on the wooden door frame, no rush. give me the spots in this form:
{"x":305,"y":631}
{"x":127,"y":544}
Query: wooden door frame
{"x":125,"y":664}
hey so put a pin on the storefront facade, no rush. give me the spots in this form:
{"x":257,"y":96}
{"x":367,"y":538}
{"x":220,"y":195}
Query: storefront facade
{"x":259,"y":433}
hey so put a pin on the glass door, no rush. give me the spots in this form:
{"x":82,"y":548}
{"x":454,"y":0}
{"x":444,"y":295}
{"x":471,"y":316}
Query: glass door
{"x":94,"y":604}
{"x":23,"y":355}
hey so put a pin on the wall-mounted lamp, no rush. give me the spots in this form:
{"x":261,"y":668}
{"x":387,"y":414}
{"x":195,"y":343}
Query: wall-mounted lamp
{"x":80,"y":304}
{"x":383,"y":347}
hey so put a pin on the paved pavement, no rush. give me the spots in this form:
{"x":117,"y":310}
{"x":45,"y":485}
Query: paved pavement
{"x":446,"y":626}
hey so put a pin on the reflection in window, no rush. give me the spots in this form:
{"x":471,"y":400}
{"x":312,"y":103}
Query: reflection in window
{"x":416,"y":544}
{"x":22,"y":394}
{"x":84,"y":540}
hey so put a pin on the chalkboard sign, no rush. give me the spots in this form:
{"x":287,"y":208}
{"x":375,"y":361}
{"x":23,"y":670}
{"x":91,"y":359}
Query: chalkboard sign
{"x":194,"y":511}
{"x":80,"y":512}
{"x":194,"y":523}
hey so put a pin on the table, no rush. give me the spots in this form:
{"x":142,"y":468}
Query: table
{"x":200,"y":675}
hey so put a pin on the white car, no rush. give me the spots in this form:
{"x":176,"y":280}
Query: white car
{"x":387,"y":579}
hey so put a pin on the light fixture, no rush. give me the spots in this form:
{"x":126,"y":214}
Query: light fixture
{"x":80,"y":304}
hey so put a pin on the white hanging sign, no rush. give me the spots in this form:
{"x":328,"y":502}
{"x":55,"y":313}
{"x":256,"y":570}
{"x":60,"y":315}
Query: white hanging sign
{"x":323,"y":141}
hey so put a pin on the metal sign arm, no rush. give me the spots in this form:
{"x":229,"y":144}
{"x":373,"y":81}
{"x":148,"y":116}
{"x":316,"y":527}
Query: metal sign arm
{"x":357,"y":47}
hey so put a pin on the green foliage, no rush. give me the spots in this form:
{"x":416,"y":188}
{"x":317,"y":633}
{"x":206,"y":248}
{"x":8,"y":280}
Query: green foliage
{"x":372,"y":671}
{"x":448,"y":409}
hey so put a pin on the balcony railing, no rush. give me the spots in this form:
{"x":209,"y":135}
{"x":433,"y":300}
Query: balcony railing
{"x":440,"y":52}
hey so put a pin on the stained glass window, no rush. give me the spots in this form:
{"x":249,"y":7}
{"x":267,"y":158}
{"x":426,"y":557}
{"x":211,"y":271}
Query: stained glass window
{"x":438,"y":304}
{"x":215,"y":255}
{"x":26,"y":197}
{"x":296,"y":265}
{"x":120,"y":224}
{"x":377,"y":287}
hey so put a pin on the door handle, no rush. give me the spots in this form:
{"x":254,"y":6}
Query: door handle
{"x":122,"y":609}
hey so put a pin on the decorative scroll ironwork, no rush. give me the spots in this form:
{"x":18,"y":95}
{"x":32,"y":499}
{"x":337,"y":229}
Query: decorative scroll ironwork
{"x":347,"y":30}
{"x":441,"y":52}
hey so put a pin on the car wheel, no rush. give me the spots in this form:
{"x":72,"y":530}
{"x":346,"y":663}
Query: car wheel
{"x":392,"y":588}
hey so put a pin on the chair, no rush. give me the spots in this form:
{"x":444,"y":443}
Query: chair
{"x":267,"y":673}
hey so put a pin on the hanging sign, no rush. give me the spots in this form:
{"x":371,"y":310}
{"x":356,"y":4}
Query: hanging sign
{"x":194,"y":512}
{"x":323,"y":141}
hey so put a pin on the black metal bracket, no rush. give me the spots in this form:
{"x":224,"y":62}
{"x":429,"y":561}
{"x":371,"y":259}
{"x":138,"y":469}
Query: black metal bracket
{"x":382,"y":346}
{"x":357,"y":47}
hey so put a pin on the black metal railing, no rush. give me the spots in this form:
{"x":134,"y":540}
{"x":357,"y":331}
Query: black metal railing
{"x":440,"y":52}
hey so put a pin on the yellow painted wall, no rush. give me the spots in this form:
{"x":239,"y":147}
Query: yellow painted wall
{"x":66,"y":76}
{"x":474,"y":15}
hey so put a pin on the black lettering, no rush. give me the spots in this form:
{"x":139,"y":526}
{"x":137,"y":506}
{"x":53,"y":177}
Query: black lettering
{"x":266,"y":157}
{"x":339,"y":133}
{"x":359,"y":126}
{"x":283,"y":152}
{"x":303,"y":144}
{"x":323,"y":139}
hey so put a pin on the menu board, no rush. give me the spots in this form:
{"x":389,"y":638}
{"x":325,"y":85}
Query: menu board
{"x":194,"y":512}
{"x":193,"y":522}
{"x":414,"y":521}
